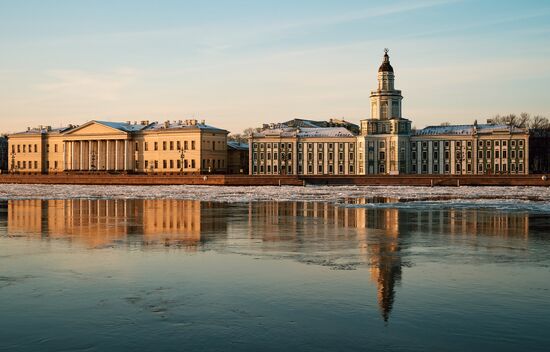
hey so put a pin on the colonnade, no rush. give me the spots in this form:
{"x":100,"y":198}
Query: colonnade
{"x":92,"y":155}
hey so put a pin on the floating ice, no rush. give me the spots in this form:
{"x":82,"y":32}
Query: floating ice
{"x":333,"y":194}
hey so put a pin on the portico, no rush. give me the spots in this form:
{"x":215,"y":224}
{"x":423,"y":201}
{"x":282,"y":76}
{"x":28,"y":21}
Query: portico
{"x":96,"y":147}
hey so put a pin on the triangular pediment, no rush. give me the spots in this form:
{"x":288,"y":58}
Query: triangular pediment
{"x":95,"y":128}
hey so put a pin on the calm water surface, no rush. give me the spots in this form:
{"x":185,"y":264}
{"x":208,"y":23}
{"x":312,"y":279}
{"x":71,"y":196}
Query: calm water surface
{"x":127,"y":275}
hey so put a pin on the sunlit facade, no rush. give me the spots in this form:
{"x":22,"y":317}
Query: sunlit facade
{"x":170,"y":147}
{"x":386,"y":144}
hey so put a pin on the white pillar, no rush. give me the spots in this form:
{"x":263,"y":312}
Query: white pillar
{"x":89,"y":155}
{"x":116,"y":154}
{"x":107,"y":155}
{"x":80,"y":144}
{"x":64,"y":156}
{"x":125,"y":154}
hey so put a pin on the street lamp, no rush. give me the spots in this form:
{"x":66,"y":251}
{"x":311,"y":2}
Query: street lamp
{"x":92,"y":161}
{"x":13,"y":162}
{"x":182,"y":156}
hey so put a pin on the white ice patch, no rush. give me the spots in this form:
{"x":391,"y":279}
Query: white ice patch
{"x":333,"y":194}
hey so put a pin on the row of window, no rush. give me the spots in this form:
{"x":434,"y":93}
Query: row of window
{"x":488,"y":154}
{"x":169,"y":145}
{"x":309,"y":146}
{"x":288,"y":156}
{"x":481,"y":144}
{"x":275,"y":169}
{"x":481,"y":168}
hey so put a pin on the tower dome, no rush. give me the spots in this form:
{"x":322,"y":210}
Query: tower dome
{"x":386,"y":67}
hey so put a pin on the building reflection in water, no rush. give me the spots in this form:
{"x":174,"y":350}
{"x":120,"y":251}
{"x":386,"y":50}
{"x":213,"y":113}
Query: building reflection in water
{"x":101,"y":222}
{"x":377,"y":233}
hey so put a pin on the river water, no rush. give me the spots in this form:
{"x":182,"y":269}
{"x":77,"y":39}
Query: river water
{"x":364,"y":274}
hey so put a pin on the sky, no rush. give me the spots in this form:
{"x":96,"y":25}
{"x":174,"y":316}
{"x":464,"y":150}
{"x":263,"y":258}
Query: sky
{"x":239,"y":64}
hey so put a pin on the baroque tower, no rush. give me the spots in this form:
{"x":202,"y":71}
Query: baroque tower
{"x":384,"y":141}
{"x":386,"y":100}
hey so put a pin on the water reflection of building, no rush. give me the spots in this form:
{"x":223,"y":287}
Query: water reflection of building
{"x":374,"y":230}
{"x":100,"y":222}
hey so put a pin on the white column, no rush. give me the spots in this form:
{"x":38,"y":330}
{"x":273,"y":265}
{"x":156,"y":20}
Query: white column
{"x":98,"y":161}
{"x":64,"y":156}
{"x":107,"y":155}
{"x":116,"y":154}
{"x":81,"y":158}
{"x":89,"y":155}
{"x":125,"y":154}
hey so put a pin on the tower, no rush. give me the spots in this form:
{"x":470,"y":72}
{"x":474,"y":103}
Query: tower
{"x":386,"y":100}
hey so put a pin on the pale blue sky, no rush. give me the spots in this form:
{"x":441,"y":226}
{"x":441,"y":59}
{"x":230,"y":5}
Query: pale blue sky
{"x":242,"y":63}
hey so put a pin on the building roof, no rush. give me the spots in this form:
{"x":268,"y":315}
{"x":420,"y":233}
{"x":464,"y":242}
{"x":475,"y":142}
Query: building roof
{"x":325,"y":132}
{"x":304,"y":132}
{"x":232,"y":145}
{"x":44,"y":130}
{"x":122,"y":126}
{"x":386,"y":67}
{"x":188,"y":124}
{"x":467,"y":129}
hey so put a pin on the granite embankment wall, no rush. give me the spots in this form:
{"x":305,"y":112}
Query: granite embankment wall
{"x":244,"y":180}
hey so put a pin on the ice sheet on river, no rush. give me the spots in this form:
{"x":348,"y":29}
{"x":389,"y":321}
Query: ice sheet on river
{"x":333,"y":194}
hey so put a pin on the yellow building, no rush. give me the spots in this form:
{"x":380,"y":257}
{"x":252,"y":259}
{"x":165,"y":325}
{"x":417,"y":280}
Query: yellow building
{"x":169,"y":147}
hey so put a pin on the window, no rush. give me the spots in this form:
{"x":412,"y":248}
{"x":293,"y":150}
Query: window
{"x":480,"y":144}
{"x":192,"y":145}
{"x":382,"y":144}
{"x":447,"y":155}
{"x":446,"y":168}
{"x":289,"y":146}
{"x":496,"y":168}
{"x":156,"y":146}
{"x":504,"y":154}
{"x":171,"y":164}
{"x":55,"y":164}
{"x":446,"y":144}
{"x":488,"y":143}
{"x":36,"y":162}
{"x":414,"y":168}
{"x":382,"y":156}
{"x":513,"y":154}
{"x":520,"y":154}
{"x":513,"y":143}
{"x":146,"y":164}
{"x":488,"y":155}
{"x":164,"y":164}
{"x":469,"y":154}
{"x":436,"y":168}
{"x":469,"y":144}
{"x":178,"y":145}
{"x":163,"y":145}
{"x":497,"y":154}
{"x":436,"y":155}
{"x":480,"y":168}
{"x":480,"y":154}
{"x":55,"y":148}
{"x":424,"y":155}
{"x":24,"y":148}
{"x":186,"y":164}
{"x":146,"y":146}
{"x":520,"y":143}
{"x":320,"y":169}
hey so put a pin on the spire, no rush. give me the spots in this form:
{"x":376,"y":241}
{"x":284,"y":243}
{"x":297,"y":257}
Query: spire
{"x":386,"y":67}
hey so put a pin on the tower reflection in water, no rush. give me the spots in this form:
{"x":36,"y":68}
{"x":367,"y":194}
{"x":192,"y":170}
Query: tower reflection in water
{"x":378,"y":235}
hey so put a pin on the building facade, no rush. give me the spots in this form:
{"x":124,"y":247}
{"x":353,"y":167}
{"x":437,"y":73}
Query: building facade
{"x":169,"y":147}
{"x":284,"y":150}
{"x":385,"y":144}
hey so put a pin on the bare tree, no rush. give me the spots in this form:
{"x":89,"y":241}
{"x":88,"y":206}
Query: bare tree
{"x":539,"y":123}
